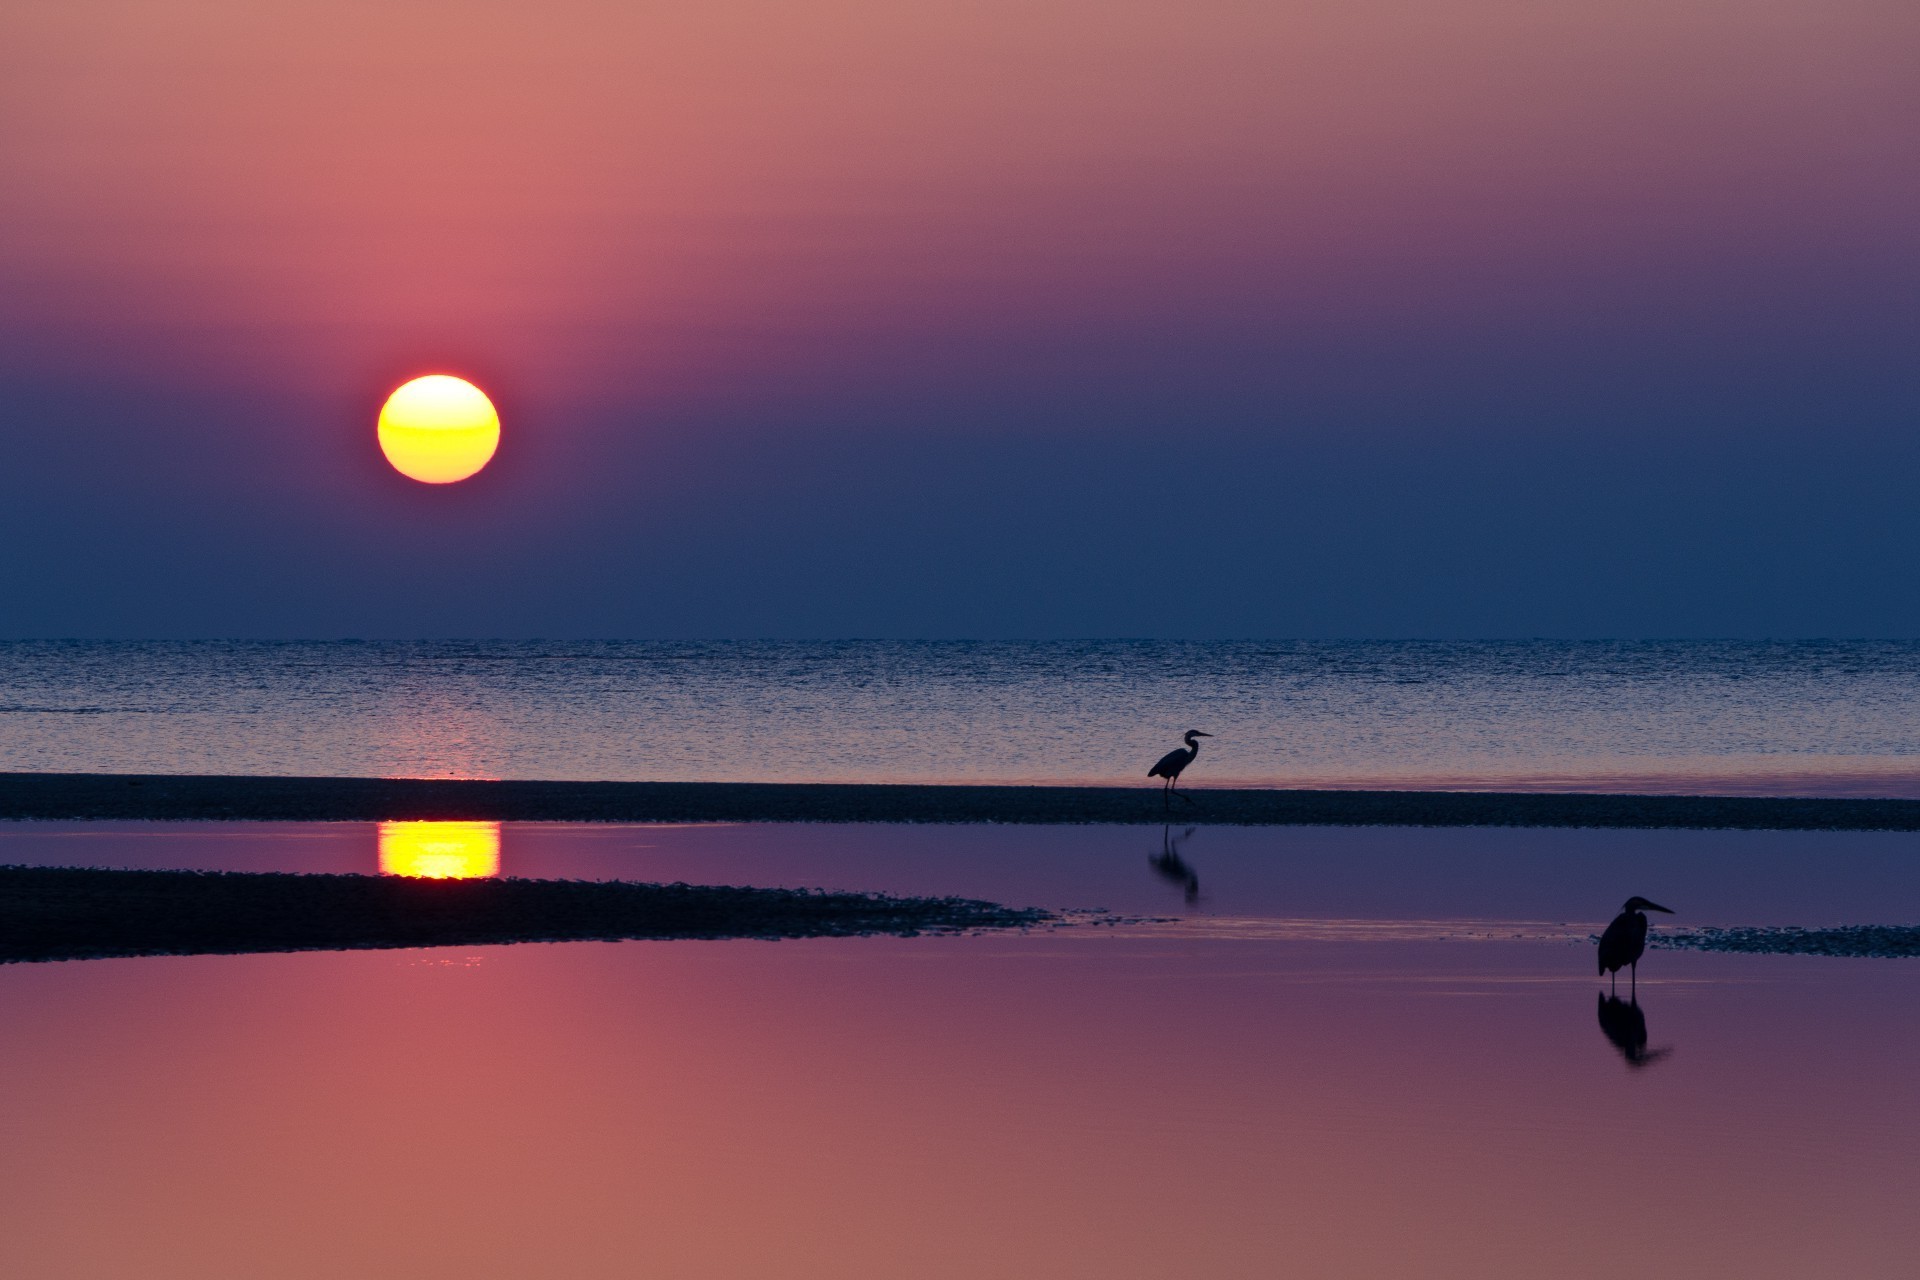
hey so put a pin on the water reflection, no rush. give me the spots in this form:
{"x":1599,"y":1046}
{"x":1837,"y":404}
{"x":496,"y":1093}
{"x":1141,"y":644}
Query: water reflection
{"x":1170,"y":866}
{"x":1625,"y":1027}
{"x":440,"y":850}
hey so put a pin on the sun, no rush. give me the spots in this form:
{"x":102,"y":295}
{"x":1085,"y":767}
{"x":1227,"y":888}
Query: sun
{"x":439,"y":429}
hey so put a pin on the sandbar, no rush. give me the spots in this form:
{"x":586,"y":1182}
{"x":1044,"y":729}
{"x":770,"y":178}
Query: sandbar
{"x":197,"y":797}
{"x":74,"y":913}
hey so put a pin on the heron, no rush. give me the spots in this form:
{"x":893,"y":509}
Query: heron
{"x":1173,"y":763}
{"x":1625,"y":940}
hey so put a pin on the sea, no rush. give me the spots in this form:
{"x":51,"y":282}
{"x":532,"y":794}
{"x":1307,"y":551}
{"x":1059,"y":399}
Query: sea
{"x":1718,"y":717}
{"x":1347,"y":1052}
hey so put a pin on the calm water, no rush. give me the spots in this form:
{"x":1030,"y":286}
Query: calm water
{"x":1353,"y":1053}
{"x":1808,"y":718}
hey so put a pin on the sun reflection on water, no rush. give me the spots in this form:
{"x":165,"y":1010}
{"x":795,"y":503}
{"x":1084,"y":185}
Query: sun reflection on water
{"x":440,"y":850}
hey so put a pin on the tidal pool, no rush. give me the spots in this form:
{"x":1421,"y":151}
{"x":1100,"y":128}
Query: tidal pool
{"x":1352,"y":1052}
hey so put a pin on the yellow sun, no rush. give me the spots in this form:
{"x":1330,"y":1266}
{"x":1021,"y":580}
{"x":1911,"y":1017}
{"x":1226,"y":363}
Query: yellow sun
{"x":439,"y":429}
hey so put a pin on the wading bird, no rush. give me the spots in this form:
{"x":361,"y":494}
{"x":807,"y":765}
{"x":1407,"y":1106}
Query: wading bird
{"x":1625,"y":940}
{"x":1172,"y":763}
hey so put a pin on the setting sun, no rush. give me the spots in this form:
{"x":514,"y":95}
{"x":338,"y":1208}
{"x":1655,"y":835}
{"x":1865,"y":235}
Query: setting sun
{"x":439,"y":429}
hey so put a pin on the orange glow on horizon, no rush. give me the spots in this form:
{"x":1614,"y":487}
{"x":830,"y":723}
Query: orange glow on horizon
{"x":439,"y":429}
{"x":440,"y":850}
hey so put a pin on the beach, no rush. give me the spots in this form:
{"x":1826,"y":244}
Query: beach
{"x":185,"y":797}
{"x":66,"y":913}
{"x":1364,"y":1050}
{"x":882,"y":941}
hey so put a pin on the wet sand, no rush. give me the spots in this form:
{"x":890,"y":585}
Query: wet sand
{"x":1860,"y":941}
{"x":65,"y":913}
{"x":169,"y":797}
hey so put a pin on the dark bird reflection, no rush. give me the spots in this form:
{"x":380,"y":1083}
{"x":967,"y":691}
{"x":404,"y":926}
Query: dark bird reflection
{"x":1625,"y":1027}
{"x":1170,"y":866}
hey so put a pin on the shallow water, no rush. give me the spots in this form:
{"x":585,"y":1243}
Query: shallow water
{"x":1356,"y":1053}
{"x":1810,"y":718}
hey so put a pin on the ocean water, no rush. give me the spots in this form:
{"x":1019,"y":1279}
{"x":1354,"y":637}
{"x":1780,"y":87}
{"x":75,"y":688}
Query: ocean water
{"x":1808,"y":718}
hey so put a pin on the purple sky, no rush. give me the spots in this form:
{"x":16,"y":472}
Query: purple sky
{"x":1212,"y":319}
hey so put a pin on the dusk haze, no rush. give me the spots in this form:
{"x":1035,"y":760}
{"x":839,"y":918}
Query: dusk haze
{"x":820,"y":639}
{"x":815,"y":320}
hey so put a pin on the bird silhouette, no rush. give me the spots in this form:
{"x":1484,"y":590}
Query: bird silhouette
{"x":1169,"y":865}
{"x":1626,"y":1028}
{"x":1173,"y":763}
{"x":1625,"y":940}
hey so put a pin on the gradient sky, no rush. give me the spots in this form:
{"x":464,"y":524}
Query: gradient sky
{"x":1367,"y":318}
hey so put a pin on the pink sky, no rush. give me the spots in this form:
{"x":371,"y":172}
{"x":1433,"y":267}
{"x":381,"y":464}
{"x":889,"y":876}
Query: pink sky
{"x":1469,"y":318}
{"x":622,"y":200}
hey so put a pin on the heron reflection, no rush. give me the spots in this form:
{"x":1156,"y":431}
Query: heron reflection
{"x":1625,"y":1027}
{"x":1170,"y":866}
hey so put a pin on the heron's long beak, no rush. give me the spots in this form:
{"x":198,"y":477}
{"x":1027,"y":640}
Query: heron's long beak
{"x":1198,"y":734}
{"x":1654,"y":906}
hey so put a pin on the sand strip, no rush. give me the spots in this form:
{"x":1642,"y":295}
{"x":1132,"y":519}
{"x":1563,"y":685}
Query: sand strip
{"x":63,"y":913}
{"x":201,"y":798}
{"x":1882,"y":941}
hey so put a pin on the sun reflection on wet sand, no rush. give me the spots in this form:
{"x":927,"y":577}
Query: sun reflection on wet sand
{"x":440,"y":850}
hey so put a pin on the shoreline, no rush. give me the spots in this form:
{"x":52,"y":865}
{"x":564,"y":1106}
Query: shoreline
{"x":254,"y":798}
{"x":84,"y":913}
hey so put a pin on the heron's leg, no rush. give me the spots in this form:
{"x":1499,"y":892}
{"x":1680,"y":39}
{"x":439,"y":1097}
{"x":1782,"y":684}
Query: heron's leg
{"x":1633,"y":979}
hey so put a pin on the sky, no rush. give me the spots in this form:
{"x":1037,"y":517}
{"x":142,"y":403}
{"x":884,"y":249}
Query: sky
{"x":1347,"y":318}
